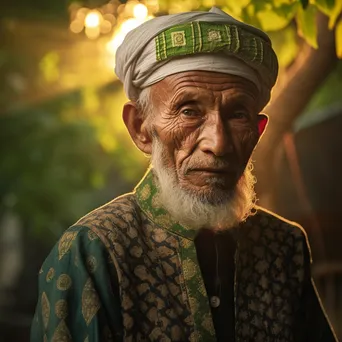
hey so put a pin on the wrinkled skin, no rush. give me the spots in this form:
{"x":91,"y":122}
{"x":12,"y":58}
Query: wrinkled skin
{"x":207,"y":123}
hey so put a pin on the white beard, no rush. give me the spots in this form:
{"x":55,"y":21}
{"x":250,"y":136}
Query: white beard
{"x":194,"y":211}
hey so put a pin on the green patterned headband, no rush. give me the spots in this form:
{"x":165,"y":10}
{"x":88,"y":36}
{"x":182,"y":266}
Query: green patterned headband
{"x":206,"y":37}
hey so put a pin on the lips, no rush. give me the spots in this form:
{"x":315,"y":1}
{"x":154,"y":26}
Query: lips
{"x":223,"y":171}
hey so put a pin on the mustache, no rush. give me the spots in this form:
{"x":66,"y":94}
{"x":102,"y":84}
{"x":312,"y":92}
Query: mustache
{"x":227,"y":163}
{"x":213,"y":163}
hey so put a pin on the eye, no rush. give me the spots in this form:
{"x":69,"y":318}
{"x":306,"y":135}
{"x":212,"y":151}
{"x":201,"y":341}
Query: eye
{"x":190,"y":112}
{"x":240,"y":114}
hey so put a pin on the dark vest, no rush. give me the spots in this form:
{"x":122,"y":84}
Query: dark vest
{"x":163,"y":296}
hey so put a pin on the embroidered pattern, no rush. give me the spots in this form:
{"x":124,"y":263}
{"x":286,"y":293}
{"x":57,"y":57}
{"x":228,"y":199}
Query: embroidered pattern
{"x":62,"y":333}
{"x":214,"y":35}
{"x":61,"y":309}
{"x":90,"y":301}
{"x":45,"y":310}
{"x":162,"y":293}
{"x":64,"y":282}
{"x":150,"y":204}
{"x":178,"y":38}
{"x":65,"y":243}
{"x":50,"y":274}
{"x":206,"y":37}
{"x":269,"y":273}
{"x":91,"y":264}
{"x":151,"y":274}
{"x":197,"y":297}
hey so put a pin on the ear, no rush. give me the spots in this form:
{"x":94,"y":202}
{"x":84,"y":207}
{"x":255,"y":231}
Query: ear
{"x":262,"y":124}
{"x":136,"y":127}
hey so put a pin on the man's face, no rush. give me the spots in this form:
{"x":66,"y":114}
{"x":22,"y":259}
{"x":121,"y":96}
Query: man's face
{"x":207,"y":125}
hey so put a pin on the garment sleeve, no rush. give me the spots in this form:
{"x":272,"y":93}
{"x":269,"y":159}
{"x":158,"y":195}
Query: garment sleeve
{"x":78,"y":292}
{"x":312,"y":322}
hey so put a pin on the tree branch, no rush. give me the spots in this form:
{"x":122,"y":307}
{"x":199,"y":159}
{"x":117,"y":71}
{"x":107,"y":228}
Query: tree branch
{"x":291,"y":95}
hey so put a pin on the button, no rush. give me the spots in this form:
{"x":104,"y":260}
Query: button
{"x":214,"y":301}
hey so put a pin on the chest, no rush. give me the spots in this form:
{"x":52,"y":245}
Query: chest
{"x":165,"y":296}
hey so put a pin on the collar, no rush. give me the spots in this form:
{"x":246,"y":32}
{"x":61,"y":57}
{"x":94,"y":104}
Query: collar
{"x":147,"y":196}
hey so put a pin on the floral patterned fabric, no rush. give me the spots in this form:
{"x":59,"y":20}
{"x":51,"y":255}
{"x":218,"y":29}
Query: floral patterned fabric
{"x":128,"y":272}
{"x":77,"y":285}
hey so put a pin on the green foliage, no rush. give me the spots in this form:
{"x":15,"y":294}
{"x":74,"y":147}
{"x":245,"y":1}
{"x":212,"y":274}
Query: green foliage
{"x":54,"y":169}
{"x":275,"y":15}
{"x":278,"y":15}
{"x":45,"y":172}
{"x":335,"y":13}
{"x":325,"y":6}
{"x":69,"y":155}
{"x":304,"y":3}
{"x":306,"y":25}
{"x":339,"y":39}
{"x":329,"y":95}
{"x":285,"y":45}
{"x":49,"y":67}
{"x":271,"y":16}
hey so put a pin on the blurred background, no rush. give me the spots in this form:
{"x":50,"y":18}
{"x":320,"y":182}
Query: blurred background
{"x":64,"y":149}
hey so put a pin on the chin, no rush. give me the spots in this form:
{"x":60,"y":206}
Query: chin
{"x":214,"y":190}
{"x":212,"y":195}
{"x":200,"y":199}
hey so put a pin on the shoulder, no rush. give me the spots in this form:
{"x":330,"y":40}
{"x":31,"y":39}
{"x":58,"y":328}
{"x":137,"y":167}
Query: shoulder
{"x":276,"y":222}
{"x":116,"y":214}
{"x":78,"y":244}
{"x":276,"y":229}
{"x":117,"y":222}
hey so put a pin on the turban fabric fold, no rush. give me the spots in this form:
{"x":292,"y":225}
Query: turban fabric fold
{"x":208,"y":41}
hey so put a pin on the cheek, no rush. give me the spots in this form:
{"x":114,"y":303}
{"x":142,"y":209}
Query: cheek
{"x":185,"y":143}
{"x":185,"y":148}
{"x":245,"y":139}
{"x":176,"y":138}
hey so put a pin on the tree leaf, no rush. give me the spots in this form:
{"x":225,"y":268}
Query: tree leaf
{"x":276,"y":18}
{"x":335,"y":13}
{"x":278,"y":3}
{"x":304,"y":3}
{"x":235,"y":7}
{"x":325,"y":6}
{"x":248,"y":16}
{"x":271,"y":21}
{"x":338,"y":37}
{"x":306,"y":20}
{"x":259,"y":5}
{"x":287,"y":10}
{"x":285,"y":45}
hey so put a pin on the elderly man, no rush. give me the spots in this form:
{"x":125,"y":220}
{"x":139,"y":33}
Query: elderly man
{"x":187,"y":256}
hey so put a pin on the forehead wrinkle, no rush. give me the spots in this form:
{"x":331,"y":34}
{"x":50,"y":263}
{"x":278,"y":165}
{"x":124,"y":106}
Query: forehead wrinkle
{"x":212,"y":78}
{"x":201,"y":84}
{"x":192,"y":93}
{"x":219,"y":98}
{"x":206,"y":90}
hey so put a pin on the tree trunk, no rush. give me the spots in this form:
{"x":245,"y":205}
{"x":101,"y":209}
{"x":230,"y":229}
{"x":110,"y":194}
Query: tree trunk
{"x":293,"y":91}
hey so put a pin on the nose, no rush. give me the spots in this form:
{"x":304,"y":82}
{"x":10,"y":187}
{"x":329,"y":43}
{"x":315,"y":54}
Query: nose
{"x":216,"y":138}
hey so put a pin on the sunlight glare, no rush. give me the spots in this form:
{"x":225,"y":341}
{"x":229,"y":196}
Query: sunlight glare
{"x":140,"y":11}
{"x":93,"y":19}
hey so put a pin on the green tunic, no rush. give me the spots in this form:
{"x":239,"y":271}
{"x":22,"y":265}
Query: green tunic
{"x":128,"y":272}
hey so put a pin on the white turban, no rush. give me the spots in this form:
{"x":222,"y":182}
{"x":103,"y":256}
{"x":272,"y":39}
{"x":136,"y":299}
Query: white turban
{"x":208,"y":41}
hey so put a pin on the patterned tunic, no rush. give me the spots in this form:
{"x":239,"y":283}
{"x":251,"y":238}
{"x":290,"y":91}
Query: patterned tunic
{"x":128,"y":272}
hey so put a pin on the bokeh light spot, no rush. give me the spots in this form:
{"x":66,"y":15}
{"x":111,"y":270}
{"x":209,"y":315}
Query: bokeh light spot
{"x":140,"y":11}
{"x":92,"y":19}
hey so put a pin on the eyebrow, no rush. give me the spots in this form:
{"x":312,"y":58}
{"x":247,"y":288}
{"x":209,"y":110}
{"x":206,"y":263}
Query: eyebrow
{"x":187,"y":97}
{"x":192,"y":97}
{"x":243,"y":97}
